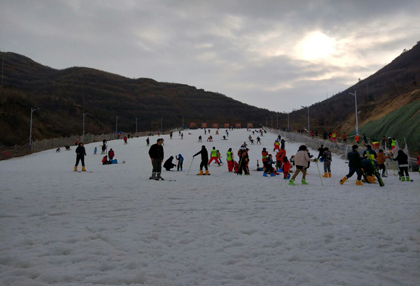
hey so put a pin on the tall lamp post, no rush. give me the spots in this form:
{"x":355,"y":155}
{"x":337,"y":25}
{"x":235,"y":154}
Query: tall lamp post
{"x":83,"y":139}
{"x":308,"y":117}
{"x":30,"y":129}
{"x":136,"y":125}
{"x":116,"y":124}
{"x":355,"y":107}
{"x":288,"y":121}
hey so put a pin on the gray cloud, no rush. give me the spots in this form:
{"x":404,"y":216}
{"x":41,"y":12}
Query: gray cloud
{"x":248,"y":50}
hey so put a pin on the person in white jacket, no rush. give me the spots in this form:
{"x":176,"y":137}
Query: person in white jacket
{"x":301,"y":161}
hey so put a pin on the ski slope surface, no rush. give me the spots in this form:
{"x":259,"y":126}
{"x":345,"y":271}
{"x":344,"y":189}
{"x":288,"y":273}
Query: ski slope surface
{"x":114,"y":226}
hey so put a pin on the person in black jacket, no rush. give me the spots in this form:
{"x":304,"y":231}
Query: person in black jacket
{"x":156,"y":156}
{"x":204,"y":160}
{"x":81,"y":153}
{"x":402,"y":160}
{"x":168,"y":164}
{"x":355,"y":166}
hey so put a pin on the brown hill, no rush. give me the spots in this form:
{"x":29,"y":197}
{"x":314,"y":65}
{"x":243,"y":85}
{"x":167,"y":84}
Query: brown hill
{"x":65,"y":95}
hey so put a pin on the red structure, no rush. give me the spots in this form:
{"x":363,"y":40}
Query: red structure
{"x":249,"y":125}
{"x":215,"y":125}
{"x":238,"y":125}
{"x":193,"y":125}
{"x":203,"y":125}
{"x":226,"y":125}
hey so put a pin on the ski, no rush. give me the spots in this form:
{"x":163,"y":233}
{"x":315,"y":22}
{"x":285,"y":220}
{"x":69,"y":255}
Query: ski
{"x":84,"y":171}
{"x":375,"y":171}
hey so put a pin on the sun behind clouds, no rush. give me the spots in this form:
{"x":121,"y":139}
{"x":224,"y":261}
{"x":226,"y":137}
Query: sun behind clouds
{"x":315,"y":45}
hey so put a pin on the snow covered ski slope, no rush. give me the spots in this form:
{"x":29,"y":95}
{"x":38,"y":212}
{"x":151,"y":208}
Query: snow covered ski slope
{"x":114,"y":226}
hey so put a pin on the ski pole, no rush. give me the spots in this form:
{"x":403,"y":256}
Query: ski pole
{"x":190,"y":166}
{"x":319,"y":173}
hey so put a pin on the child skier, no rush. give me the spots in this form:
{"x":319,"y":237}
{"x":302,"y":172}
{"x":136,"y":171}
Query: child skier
{"x":180,"y":160}
{"x":380,"y":159}
{"x":326,"y":158}
{"x":213,"y":156}
{"x":268,"y":164}
{"x":286,"y":168}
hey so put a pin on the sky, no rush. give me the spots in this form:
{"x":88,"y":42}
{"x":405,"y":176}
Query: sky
{"x":277,"y":55}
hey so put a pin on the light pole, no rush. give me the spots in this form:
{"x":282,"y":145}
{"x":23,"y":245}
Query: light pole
{"x":116,"y":125}
{"x":83,"y":139}
{"x":277,"y":120}
{"x":288,"y":121}
{"x":355,"y":107}
{"x":136,"y":125}
{"x":308,"y":117}
{"x":30,"y":129}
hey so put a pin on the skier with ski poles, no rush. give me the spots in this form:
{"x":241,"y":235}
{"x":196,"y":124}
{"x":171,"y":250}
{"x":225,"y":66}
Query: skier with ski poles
{"x":204,"y":160}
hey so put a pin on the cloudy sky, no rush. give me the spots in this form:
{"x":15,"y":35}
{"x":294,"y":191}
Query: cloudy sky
{"x":278,"y":55}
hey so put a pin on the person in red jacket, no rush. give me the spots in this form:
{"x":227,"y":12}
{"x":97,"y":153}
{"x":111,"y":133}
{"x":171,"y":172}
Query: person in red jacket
{"x":264,"y":155}
{"x":279,"y":158}
{"x":276,"y":145}
{"x":111,"y":154}
{"x":286,"y":168}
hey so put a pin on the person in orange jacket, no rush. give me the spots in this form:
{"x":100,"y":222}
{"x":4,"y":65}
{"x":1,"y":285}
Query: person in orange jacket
{"x":286,"y":168}
{"x":276,"y":145}
{"x":357,"y":138}
{"x":279,"y":158}
{"x":380,"y":159}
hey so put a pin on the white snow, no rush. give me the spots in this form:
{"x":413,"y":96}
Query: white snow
{"x":114,"y":226}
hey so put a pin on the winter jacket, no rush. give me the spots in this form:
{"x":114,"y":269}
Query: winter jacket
{"x":354,"y":159}
{"x":204,"y":154}
{"x":264,"y":155}
{"x":402,"y":159}
{"x":380,"y":159}
{"x":371,"y":152}
{"x":156,"y":152}
{"x":326,"y":156}
{"x":168,"y":163}
{"x":302,"y":158}
{"x":286,"y":167}
{"x":80,"y":151}
{"x":280,"y":155}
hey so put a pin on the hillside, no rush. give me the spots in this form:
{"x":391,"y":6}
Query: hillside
{"x":63,"y":96}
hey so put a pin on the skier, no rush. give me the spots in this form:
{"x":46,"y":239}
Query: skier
{"x":95,"y":150}
{"x":229,"y":159}
{"x":357,"y":138}
{"x":326,"y":158}
{"x":380,"y":159}
{"x":301,"y":160}
{"x":147,"y":141}
{"x":219,"y":156}
{"x":279,"y":158}
{"x":258,"y":140}
{"x":354,"y":166}
{"x":371,"y":152}
{"x":111,"y":154}
{"x":168,"y":165}
{"x":103,"y":149}
{"x":344,"y":137}
{"x":204,"y":160}
{"x":402,"y":160}
{"x":320,"y":152}
{"x":286,"y":168}
{"x":276,"y":145}
{"x":81,"y":153}
{"x":264,"y":155}
{"x":180,"y":160}
{"x":125,"y":140}
{"x":368,"y":170}
{"x":282,"y":144}
{"x":213,"y":156}
{"x":243,"y":161}
{"x":268,"y":164}
{"x":156,"y":156}
{"x":200,"y":138}
{"x":105,"y":160}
